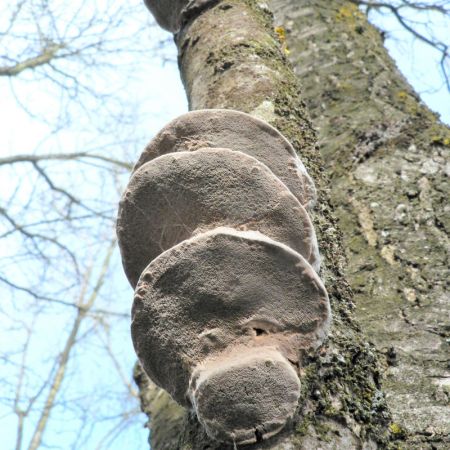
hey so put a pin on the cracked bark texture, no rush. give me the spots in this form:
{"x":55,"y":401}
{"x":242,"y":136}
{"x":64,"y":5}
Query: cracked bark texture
{"x":387,"y":156}
{"x":230,"y":57}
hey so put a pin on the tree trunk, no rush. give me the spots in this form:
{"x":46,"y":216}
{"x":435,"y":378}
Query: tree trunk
{"x":230,"y":57}
{"x":388,"y":159}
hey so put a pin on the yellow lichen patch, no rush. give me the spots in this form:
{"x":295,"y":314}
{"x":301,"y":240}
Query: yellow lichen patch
{"x":411,"y":106}
{"x":349,"y":12}
{"x":439,"y":134}
{"x":281,"y":33}
{"x":395,"y":428}
{"x":441,"y":140}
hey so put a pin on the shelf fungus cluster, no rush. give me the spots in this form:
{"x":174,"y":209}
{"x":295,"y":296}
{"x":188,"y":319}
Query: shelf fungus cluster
{"x":217,"y":242}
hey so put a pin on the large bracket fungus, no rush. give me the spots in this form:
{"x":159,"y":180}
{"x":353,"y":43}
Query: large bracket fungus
{"x":177,"y":195}
{"x":229,"y":308}
{"x":214,"y":127}
{"x":224,"y":260}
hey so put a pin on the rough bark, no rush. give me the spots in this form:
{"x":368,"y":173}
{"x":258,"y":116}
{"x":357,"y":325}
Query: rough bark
{"x":166,"y":418}
{"x":230,"y":57}
{"x":388,"y":159}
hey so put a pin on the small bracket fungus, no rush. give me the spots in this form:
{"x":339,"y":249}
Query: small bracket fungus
{"x":251,"y":409}
{"x":224,"y":259}
{"x":237,"y":131}
{"x":219,"y":321}
{"x":176,"y":195}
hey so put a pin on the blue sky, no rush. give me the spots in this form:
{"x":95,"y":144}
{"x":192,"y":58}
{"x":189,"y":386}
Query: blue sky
{"x":144,"y":92}
{"x":417,"y":60}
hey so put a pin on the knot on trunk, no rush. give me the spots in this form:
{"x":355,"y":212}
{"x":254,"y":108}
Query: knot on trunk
{"x":171,"y":14}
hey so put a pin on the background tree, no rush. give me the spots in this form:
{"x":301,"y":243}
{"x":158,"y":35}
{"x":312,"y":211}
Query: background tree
{"x":388,"y":163}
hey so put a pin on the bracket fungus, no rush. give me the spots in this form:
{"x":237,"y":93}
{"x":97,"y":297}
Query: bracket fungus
{"x":229,"y":308}
{"x":224,"y":261}
{"x":177,"y":195}
{"x":225,"y":128}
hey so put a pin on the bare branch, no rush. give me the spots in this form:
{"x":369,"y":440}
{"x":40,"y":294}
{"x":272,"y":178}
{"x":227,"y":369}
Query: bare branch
{"x":84,"y":307}
{"x":35,"y":236}
{"x":47,"y":55}
{"x":63,"y":157}
{"x":93,"y":312}
{"x":396,"y":9}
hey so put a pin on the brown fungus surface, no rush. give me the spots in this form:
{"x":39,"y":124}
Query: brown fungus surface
{"x":253,"y":409}
{"x":177,"y":195}
{"x":222,"y":295}
{"x":237,"y":131}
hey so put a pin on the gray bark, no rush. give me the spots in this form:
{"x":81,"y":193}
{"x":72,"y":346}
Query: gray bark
{"x":387,"y":156}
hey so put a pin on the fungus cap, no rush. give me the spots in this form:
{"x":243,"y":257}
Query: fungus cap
{"x":237,"y":131}
{"x":222,"y":290}
{"x":245,"y":396}
{"x":174,"y":196}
